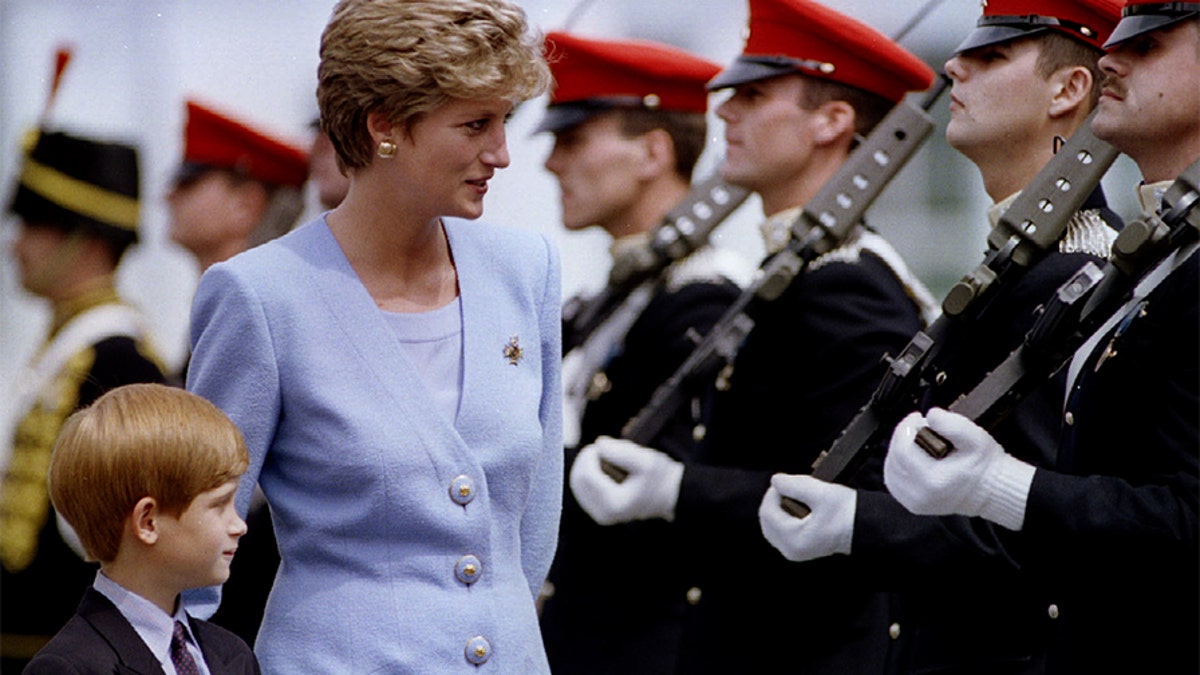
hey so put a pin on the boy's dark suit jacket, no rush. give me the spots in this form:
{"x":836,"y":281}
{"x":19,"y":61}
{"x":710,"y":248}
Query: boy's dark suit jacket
{"x":98,"y":640}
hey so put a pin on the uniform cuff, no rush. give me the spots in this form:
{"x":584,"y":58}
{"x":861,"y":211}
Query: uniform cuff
{"x":1007,"y":485}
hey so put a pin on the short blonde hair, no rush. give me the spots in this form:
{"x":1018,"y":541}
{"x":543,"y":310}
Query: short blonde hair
{"x":139,"y":440}
{"x":407,"y":57}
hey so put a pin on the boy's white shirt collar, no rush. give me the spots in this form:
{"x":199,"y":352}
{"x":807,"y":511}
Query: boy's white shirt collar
{"x":153,"y":625}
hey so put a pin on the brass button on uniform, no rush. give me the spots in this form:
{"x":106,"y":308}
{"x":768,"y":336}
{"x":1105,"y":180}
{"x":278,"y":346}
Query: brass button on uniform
{"x":1069,"y":418}
{"x":894,"y":631}
{"x":693,"y":595}
{"x":1052,"y":611}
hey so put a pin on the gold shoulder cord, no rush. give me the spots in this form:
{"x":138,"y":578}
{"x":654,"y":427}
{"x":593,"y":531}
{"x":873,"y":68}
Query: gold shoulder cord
{"x":25,"y":499}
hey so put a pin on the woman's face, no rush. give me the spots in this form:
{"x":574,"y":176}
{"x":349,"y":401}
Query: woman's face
{"x":450,"y":154}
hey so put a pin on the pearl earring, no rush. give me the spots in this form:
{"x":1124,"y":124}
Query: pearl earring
{"x":387,"y":149}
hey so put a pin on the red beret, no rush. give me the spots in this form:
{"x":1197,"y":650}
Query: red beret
{"x":1142,"y":16}
{"x":800,"y":36}
{"x":592,"y":75}
{"x":1089,"y":21}
{"x":216,"y":141}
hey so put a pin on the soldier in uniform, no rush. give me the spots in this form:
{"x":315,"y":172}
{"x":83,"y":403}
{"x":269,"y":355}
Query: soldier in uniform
{"x":77,"y":201}
{"x":1110,"y":526}
{"x":1025,"y":79}
{"x":628,"y":119}
{"x":236,"y":187}
{"x":809,"y":82}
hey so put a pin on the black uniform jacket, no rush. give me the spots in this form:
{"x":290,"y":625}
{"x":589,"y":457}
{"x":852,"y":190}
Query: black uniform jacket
{"x":813,"y":358}
{"x":1112,"y":531}
{"x":959,"y":602}
{"x":617,"y":606}
{"x":98,"y":640}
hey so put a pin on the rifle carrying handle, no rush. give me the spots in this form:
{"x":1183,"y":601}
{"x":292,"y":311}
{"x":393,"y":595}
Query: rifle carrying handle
{"x":933,"y":443}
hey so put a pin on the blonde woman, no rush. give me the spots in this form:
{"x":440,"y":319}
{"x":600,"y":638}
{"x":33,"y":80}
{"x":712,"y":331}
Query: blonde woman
{"x":395,"y":368}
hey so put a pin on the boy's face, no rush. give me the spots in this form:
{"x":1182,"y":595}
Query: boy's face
{"x":200,"y":543}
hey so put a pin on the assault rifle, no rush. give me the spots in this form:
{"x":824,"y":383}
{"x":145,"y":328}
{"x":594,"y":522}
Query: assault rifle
{"x":1032,"y":226}
{"x":822,"y":225}
{"x":1080,"y":308}
{"x":683,"y":230}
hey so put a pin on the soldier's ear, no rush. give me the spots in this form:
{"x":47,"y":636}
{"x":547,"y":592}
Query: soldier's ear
{"x":659,"y":152}
{"x":1071,"y":91}
{"x":248,"y":202}
{"x":832,"y":121}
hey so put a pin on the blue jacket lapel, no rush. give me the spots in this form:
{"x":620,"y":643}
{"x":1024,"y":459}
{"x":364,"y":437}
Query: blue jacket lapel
{"x":371,"y":341}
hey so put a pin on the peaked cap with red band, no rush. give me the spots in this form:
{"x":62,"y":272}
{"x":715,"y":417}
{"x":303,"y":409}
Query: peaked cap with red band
{"x":800,"y":36}
{"x":595,"y":75}
{"x":216,"y":141}
{"x":1140,"y":16}
{"x":1089,"y":21}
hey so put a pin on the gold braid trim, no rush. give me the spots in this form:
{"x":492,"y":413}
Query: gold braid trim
{"x":102,"y":292}
{"x":81,"y":196}
{"x":25,"y":500}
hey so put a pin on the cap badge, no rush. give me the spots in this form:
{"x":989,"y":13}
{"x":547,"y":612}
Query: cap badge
{"x":512,"y":351}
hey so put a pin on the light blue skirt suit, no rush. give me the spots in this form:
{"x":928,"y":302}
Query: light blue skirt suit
{"x":410,"y":543}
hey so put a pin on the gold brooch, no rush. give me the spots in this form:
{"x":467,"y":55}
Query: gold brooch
{"x":512,"y":351}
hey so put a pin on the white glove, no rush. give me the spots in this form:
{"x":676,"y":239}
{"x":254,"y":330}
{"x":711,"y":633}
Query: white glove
{"x":977,"y":478}
{"x":826,"y":530}
{"x":651,"y":489}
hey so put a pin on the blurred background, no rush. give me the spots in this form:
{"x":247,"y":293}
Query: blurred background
{"x":135,"y":62}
